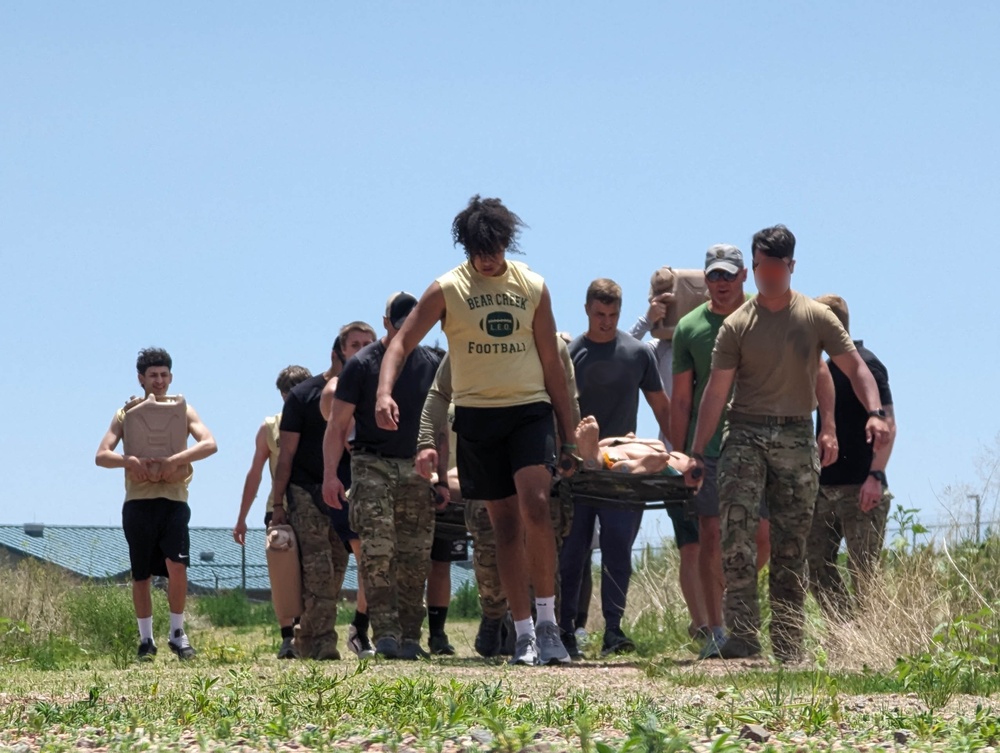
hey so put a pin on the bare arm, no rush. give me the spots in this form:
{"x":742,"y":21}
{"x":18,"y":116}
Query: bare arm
{"x":430,"y":309}
{"x":326,"y":398}
{"x":555,"y":375}
{"x":680,"y":409}
{"x":334,"y":442}
{"x":877,"y":429}
{"x":825,"y":399}
{"x":288,"y":444}
{"x":261,"y":454}
{"x":713,"y":402}
{"x":660,"y":405}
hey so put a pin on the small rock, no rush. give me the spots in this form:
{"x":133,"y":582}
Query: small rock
{"x":482,"y":736}
{"x":83,"y":742}
{"x":900,"y":737}
{"x":20,"y":748}
{"x":755,"y":732}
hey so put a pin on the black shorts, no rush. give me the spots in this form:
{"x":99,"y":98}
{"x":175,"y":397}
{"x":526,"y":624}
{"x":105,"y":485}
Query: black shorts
{"x":451,"y":539}
{"x":156,"y":530}
{"x":685,"y":527}
{"x":495,"y":443}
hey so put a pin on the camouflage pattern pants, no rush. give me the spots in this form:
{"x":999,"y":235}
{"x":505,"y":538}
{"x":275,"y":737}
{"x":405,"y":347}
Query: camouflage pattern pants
{"x":492,"y":600}
{"x":838,"y":516}
{"x":324,"y":562}
{"x":781,"y":463}
{"x":392,"y":511}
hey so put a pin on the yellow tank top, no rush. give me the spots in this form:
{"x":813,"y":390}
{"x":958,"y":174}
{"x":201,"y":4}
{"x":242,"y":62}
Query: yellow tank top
{"x":271,"y":424}
{"x":176,"y":490}
{"x":491,"y":339}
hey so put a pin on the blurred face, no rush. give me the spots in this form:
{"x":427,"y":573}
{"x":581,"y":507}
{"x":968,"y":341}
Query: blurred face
{"x":356,"y":339}
{"x":773,"y":276}
{"x":490,"y":265}
{"x":725,"y":288}
{"x":602,"y":321}
{"x":156,"y":380}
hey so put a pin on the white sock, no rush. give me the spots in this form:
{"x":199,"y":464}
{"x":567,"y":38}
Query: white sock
{"x":546,"y":609}
{"x":524,"y":627}
{"x":145,"y":628}
{"x":176,"y":623}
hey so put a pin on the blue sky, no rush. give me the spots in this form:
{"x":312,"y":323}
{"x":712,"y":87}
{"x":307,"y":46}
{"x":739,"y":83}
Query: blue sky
{"x":235,"y":181}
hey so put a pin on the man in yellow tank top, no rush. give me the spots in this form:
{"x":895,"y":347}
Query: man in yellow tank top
{"x":507,"y":379}
{"x":155,"y":514}
{"x":266,"y":453}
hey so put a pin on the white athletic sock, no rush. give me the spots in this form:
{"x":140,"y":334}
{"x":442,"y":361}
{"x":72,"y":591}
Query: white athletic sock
{"x":524,"y":627}
{"x":176,"y":623}
{"x":546,"y":609}
{"x":145,"y":628}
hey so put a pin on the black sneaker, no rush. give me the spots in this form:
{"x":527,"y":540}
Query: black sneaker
{"x":387,"y":648}
{"x":572,"y":648}
{"x":147,"y":650}
{"x":508,"y":636}
{"x":488,"y":638}
{"x":180,"y":646}
{"x":616,"y":642}
{"x":287,"y":651}
{"x":411,"y":651}
{"x":737,"y":647}
{"x":439,"y":645}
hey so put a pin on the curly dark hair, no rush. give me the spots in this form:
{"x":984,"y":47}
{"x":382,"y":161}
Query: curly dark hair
{"x":486,"y":227}
{"x":152,"y":357}
{"x":777,"y":242}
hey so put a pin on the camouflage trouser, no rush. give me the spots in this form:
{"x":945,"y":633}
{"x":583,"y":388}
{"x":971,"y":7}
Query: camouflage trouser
{"x":838,"y":516}
{"x":492,"y":600}
{"x":781,"y":463}
{"x":392,"y":511}
{"x":324,"y":562}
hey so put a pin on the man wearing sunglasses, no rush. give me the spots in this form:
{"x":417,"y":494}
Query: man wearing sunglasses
{"x":767,"y":355}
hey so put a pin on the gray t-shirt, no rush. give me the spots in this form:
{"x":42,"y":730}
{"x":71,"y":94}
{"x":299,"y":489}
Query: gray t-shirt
{"x":609,"y":377}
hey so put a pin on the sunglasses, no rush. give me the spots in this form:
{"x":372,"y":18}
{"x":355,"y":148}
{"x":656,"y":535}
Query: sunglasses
{"x":718,"y":275}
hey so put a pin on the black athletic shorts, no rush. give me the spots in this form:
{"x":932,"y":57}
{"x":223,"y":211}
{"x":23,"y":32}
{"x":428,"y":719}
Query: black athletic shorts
{"x":495,"y":443}
{"x":451,"y":538}
{"x":685,"y":527}
{"x":156,"y":530}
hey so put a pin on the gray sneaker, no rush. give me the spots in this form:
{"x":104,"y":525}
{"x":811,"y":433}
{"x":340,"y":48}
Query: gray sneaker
{"x":525,"y":651}
{"x":550,"y":646}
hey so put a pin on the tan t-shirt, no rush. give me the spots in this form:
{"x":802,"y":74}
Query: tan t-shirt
{"x":776,"y":354}
{"x":491,"y":339}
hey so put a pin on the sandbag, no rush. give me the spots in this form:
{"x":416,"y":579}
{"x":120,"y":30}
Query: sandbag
{"x":689,"y":289}
{"x":284,"y":570}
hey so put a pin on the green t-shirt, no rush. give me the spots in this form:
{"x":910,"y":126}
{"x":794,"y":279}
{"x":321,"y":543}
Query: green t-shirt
{"x":694,"y":339}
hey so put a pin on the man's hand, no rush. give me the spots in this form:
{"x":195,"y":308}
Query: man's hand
{"x":333,"y":493}
{"x":694,"y":474}
{"x":240,"y":532}
{"x":442,"y":496}
{"x":870,"y":494}
{"x":136,"y":468}
{"x":877,"y":432}
{"x":386,"y":413}
{"x":829,"y":450}
{"x":658,"y":307}
{"x":426,"y":462}
{"x":278,"y":516}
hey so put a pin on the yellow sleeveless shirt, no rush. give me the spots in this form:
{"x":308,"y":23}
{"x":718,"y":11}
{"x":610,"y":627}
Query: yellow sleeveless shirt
{"x":491,"y":338}
{"x":271,"y":424}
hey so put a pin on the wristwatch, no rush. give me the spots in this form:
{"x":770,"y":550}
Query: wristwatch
{"x":878,"y":475}
{"x":876,"y":413}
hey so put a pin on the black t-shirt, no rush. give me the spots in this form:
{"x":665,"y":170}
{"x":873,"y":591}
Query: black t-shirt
{"x":301,"y":414}
{"x":609,"y":377}
{"x":855,"y":456}
{"x":358,"y":384}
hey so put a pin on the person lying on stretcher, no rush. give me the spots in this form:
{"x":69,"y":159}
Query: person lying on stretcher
{"x":627,"y":454}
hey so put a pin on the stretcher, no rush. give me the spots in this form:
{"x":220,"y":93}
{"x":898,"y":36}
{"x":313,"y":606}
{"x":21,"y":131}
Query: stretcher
{"x":605,"y":488}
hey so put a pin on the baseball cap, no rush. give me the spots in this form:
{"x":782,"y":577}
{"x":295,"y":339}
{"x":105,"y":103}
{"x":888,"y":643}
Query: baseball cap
{"x":398,"y":307}
{"x":723,"y":256}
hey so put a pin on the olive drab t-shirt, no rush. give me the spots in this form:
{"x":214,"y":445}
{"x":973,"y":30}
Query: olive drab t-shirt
{"x":776,"y":354}
{"x":489,"y":322}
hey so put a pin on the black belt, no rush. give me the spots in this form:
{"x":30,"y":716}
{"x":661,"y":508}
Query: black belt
{"x":379,"y":453}
{"x":752,"y":418}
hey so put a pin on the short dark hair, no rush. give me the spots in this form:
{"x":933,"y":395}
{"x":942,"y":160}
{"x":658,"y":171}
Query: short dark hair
{"x":777,"y":242}
{"x":487,"y":227}
{"x":839,"y":308}
{"x":604,"y":291}
{"x":152,"y":357}
{"x":291,"y":376}
{"x":347,"y":329}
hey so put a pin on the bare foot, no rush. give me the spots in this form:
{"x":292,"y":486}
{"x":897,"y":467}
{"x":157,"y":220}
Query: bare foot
{"x":586,"y":443}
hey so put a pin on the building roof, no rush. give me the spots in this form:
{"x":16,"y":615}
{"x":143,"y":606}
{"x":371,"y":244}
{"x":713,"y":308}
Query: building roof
{"x":216,"y":560}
